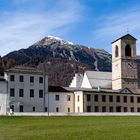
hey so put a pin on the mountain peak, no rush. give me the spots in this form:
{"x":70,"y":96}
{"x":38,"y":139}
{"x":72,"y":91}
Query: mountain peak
{"x":51,"y":40}
{"x":60,"y":39}
{"x":54,"y":37}
{"x":61,"y":59}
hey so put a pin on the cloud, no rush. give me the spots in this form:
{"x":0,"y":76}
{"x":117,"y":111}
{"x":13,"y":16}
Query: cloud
{"x":116,"y":25}
{"x":119,"y":23}
{"x":19,"y":30}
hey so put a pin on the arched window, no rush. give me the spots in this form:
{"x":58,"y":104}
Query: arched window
{"x":116,"y":51}
{"x":127,"y":50}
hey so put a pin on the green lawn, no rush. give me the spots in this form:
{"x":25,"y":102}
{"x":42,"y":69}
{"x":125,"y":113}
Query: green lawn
{"x":69,"y":128}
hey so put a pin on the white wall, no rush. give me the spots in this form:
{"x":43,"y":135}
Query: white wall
{"x":77,"y":80}
{"x":73,"y":83}
{"x":63,"y":104}
{"x":27,"y":101}
{"x":3,"y":97}
{"x":78,"y":102}
{"x":85,"y":82}
{"x":78,"y":114}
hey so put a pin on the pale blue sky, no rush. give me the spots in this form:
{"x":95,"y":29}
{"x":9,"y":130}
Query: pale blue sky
{"x":94,"y":23}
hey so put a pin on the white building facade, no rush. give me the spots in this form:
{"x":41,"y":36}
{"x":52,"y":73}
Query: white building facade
{"x":3,"y":96}
{"x":26,"y":89}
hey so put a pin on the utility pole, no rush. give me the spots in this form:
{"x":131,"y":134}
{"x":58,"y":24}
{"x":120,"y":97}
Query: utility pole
{"x":44,"y":69}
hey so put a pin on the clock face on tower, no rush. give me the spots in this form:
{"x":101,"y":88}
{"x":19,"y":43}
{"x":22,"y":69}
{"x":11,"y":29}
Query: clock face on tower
{"x":130,"y":69}
{"x":130,"y":65}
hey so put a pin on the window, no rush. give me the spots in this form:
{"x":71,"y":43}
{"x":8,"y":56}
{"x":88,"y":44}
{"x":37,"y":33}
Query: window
{"x":41,"y":80}
{"x":88,"y":108}
{"x":31,"y":79}
{"x":33,"y":109}
{"x":125,"y":99}
{"x":138,"y":99}
{"x":116,"y":51}
{"x":12,"y":78}
{"x":132,"y":109}
{"x":57,"y":97}
{"x":21,"y":108}
{"x":88,"y":97}
{"x":118,"y":109}
{"x":110,"y":98}
{"x":68,"y":109}
{"x":103,"y":109}
{"x":138,"y":109}
{"x":132,"y":99}
{"x":68,"y":97}
{"x":31,"y":93}
{"x":40,"y":93}
{"x":111,"y":109}
{"x":125,"y":109}
{"x":96,"y":109}
{"x":12,"y":108}
{"x":46,"y":109}
{"x":21,"y":92}
{"x":12,"y":92}
{"x":57,"y":109}
{"x":128,"y":50}
{"x":78,"y":98}
{"x":103,"y":98}
{"x":118,"y":99}
{"x":96,"y":98}
{"x":21,"y":78}
{"x":1,"y":74}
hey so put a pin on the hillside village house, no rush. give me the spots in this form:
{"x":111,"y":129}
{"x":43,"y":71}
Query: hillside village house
{"x":26,"y":89}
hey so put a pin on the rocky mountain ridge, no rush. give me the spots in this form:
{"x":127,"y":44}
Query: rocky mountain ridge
{"x":61,"y":59}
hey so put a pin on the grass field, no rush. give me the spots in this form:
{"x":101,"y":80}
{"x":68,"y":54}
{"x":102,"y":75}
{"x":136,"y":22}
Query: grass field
{"x":70,"y":128}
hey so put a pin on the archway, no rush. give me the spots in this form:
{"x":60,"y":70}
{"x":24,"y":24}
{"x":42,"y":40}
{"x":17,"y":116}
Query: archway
{"x":127,"y":50}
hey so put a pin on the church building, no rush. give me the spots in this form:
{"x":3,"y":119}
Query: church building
{"x":118,"y":91}
{"x":27,"y":90}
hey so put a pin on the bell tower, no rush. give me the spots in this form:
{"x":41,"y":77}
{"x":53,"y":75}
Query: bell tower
{"x":124,"y":65}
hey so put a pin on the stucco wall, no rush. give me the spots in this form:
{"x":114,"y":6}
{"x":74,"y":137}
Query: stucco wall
{"x":27,"y":101}
{"x":107,"y":104}
{"x":78,"y":101}
{"x":85,"y":82}
{"x":3,"y":97}
{"x":62,"y":104}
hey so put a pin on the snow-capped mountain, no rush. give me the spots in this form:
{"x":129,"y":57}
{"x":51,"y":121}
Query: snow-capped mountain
{"x":52,"y":39}
{"x":62,"y":58}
